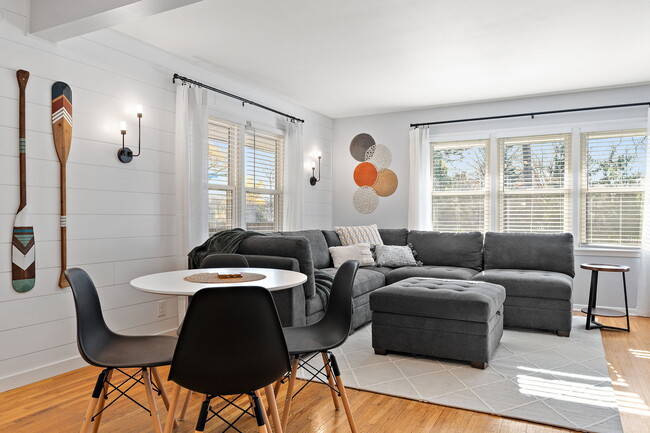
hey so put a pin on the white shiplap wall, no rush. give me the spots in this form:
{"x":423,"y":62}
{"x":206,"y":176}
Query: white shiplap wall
{"x":121,"y":217}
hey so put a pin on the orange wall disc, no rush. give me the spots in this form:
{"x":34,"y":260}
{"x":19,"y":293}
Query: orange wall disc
{"x":365,"y":174}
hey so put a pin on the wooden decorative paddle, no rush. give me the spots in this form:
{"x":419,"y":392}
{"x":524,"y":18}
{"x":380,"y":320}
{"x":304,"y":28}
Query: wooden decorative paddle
{"x":23,"y":263}
{"x":62,"y":132}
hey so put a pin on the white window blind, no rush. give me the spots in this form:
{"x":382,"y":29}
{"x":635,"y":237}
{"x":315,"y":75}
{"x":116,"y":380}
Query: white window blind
{"x":223,"y":142}
{"x":613,"y":172}
{"x":535,"y":184}
{"x":460,"y":199}
{"x":263,"y":180}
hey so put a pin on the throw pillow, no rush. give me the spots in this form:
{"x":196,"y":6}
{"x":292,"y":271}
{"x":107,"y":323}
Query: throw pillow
{"x":359,"y":252}
{"x":395,"y":256}
{"x":357,"y":234}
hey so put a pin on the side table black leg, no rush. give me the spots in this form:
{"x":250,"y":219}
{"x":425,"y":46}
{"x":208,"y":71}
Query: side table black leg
{"x":592,"y":298}
{"x":627,"y":311}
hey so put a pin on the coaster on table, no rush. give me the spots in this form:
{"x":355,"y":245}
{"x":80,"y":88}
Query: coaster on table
{"x":213,"y":277}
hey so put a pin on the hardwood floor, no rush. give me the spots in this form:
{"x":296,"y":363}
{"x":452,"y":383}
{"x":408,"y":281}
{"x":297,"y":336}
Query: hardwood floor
{"x":58,"y":404}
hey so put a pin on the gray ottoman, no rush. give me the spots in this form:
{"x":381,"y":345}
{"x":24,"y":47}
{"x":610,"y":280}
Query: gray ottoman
{"x":452,"y":319}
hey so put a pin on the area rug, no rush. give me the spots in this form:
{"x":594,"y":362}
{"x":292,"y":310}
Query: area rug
{"x":534,"y":376}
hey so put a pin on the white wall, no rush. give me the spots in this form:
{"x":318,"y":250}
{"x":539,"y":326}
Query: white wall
{"x":121,"y":217}
{"x":392,"y":130}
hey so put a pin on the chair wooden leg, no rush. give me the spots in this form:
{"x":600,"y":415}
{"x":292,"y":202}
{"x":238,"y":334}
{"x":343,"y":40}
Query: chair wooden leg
{"x":344,"y":396}
{"x":276,"y":389}
{"x":186,"y":403}
{"x":203,"y":415}
{"x":92,"y":404}
{"x":146,"y":379}
{"x":289,"y":397}
{"x":260,"y":413}
{"x":330,"y":379}
{"x":176,"y":395}
{"x":163,"y":391}
{"x":101,"y":403}
{"x":273,"y":407}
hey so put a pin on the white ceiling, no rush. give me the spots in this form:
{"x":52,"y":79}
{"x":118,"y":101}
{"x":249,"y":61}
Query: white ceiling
{"x":354,"y":57}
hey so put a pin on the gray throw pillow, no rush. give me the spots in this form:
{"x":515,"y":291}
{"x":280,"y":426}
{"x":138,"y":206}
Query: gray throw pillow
{"x":395,"y":256}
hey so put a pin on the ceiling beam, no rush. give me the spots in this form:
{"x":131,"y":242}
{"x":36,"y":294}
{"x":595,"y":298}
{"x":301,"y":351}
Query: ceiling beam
{"x":64,"y":19}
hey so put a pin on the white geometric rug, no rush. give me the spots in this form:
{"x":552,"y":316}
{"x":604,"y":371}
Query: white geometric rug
{"x":535,"y":376}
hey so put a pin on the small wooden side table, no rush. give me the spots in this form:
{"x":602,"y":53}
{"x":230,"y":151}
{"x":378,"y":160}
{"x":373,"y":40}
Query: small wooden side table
{"x":591,"y":310}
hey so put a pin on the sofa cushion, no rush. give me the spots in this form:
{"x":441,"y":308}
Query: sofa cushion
{"x":438,"y":298}
{"x":383,"y":269}
{"x":527,"y":283}
{"x":535,"y":251}
{"x":394,"y":256}
{"x":394,"y":236}
{"x":365,"y":281}
{"x":447,"y":272}
{"x":350,"y":235}
{"x":463,"y":250}
{"x":332,"y":238}
{"x":319,"y":252}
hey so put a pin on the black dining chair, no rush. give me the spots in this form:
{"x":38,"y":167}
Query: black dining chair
{"x":224,"y":261}
{"x":330,"y":332}
{"x":101,"y":347}
{"x":217,"y":260}
{"x":231,"y":344}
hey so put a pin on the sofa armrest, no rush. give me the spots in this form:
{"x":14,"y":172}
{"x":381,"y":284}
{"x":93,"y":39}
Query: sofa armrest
{"x":284,"y":246}
{"x":273,"y":262}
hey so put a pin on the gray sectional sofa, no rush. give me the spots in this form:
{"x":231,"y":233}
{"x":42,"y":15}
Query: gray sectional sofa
{"x":536,"y":270}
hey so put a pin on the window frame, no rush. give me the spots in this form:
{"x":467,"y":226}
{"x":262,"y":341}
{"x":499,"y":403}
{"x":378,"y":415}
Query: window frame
{"x":568,"y":124}
{"x":485,"y":192}
{"x":238,"y":167}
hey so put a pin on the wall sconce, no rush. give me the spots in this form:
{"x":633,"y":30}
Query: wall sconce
{"x":312,"y":179}
{"x":125,"y":154}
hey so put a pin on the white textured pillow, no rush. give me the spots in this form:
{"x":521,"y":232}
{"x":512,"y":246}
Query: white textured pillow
{"x":395,"y":256}
{"x":359,"y":234}
{"x":359,"y":252}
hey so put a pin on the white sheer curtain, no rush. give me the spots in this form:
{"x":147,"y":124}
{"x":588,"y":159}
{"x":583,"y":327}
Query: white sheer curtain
{"x":419,"y":211}
{"x":191,"y":166}
{"x":643,"y":298}
{"x":294,"y":178}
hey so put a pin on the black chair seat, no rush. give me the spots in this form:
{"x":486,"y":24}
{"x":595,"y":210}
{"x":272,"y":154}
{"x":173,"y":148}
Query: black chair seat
{"x":124,"y":351}
{"x":311,"y":338}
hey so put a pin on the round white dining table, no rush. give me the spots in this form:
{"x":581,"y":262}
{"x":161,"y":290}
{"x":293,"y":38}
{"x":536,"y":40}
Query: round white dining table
{"x":173,"y":283}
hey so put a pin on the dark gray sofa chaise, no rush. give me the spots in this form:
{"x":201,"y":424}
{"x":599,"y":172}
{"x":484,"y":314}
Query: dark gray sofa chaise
{"x":535,"y":269}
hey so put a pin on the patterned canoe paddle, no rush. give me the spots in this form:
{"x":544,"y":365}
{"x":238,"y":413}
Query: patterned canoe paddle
{"x":62,"y":132}
{"x":23,"y":259}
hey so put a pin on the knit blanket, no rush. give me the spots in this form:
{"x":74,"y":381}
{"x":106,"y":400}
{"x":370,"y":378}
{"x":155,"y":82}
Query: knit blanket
{"x":323,"y":283}
{"x":224,"y":242}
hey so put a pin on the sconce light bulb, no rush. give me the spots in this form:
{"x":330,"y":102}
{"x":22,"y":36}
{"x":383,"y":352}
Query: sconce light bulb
{"x":138,"y":110}
{"x":318,"y":154}
{"x":123,"y":127}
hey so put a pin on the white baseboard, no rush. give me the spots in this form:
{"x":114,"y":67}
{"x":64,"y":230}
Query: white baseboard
{"x":30,"y":376}
{"x":633,"y":311}
{"x":46,"y":371}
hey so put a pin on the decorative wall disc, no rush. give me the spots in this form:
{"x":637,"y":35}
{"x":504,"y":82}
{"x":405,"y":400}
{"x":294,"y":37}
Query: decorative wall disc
{"x":386,"y":183}
{"x":380,"y":156}
{"x":360,"y":144}
{"x":365,"y":174}
{"x":365,"y":199}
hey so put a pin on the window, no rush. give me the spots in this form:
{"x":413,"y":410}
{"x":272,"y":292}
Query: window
{"x":460,"y":199}
{"x":534,"y":186}
{"x":263,"y":171}
{"x":613,"y":171}
{"x":244,"y":177}
{"x":223,"y":140}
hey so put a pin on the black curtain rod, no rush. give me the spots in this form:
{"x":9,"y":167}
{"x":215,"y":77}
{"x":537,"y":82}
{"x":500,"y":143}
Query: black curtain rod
{"x":230,"y":95}
{"x":532,"y":115}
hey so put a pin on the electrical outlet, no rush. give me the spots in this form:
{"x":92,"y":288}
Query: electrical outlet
{"x":162,"y":308}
